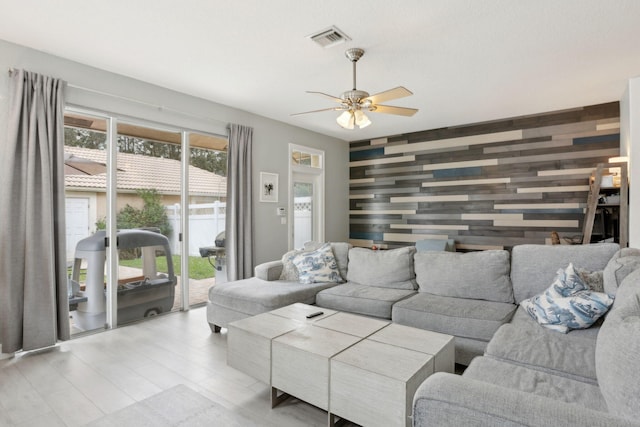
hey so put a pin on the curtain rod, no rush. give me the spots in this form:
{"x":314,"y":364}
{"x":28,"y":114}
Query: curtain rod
{"x":148,"y":104}
{"x":137,"y":101}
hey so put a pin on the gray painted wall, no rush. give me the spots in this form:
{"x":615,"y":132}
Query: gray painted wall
{"x":271,"y":138}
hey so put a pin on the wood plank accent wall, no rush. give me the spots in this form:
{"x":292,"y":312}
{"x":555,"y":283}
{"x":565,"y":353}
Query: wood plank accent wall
{"x":487,"y":186}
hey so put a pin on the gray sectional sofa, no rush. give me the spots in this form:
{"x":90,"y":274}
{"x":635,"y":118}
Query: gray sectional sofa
{"x":468,"y":295}
{"x":519,"y":373}
{"x":533,"y":376}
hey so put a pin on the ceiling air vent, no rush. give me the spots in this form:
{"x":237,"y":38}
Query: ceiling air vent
{"x":329,"y":37}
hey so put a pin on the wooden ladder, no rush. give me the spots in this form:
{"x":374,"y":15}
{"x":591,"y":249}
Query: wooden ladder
{"x":594,"y":196}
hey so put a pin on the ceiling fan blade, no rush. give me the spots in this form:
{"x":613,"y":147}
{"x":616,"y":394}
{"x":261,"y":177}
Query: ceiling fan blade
{"x":317,"y":111}
{"x":400,"y":111}
{"x":388,"y":95}
{"x":331,"y":97}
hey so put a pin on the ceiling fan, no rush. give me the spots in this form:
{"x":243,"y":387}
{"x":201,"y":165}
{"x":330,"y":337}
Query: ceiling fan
{"x":353,"y":103}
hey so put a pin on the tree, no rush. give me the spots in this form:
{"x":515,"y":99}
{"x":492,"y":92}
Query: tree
{"x":85,"y":138}
{"x":213,"y":161}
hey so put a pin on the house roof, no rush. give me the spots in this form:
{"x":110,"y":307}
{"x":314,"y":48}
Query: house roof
{"x":465,"y":61}
{"x":139,"y":172}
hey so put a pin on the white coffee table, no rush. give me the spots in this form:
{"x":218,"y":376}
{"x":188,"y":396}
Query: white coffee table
{"x":374,"y":381}
{"x":356,"y":368}
{"x":249,"y":340}
{"x":249,"y":343}
{"x":300,"y":359}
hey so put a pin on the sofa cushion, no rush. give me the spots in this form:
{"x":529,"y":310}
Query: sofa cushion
{"x":386,"y":269}
{"x":523,"y":341}
{"x":533,"y":267}
{"x":545,"y":384}
{"x":617,"y":353}
{"x":461,"y":317}
{"x":629,"y":288}
{"x":362,"y":299}
{"x":254,"y":296}
{"x":567,"y":303}
{"x":317,"y":266}
{"x":477,"y":275}
{"x":621,"y":264}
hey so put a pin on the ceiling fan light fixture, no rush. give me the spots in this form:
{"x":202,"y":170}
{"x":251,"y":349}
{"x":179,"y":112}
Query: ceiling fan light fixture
{"x":353,"y":103}
{"x":346,"y":120}
{"x":361,"y":119}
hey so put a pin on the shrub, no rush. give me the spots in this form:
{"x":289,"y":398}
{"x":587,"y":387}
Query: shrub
{"x":152,"y":214}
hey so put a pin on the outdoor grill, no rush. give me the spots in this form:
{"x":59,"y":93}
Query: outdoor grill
{"x":219,"y":252}
{"x":149,"y":294}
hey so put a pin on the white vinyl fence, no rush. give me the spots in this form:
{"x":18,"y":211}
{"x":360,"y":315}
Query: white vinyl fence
{"x":205,"y":222}
{"x":302,"y":221}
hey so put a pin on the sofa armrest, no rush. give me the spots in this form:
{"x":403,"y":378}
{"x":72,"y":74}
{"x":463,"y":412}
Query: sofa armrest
{"x":269,"y":270}
{"x":451,"y":400}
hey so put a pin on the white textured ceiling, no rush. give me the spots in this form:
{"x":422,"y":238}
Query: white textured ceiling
{"x":465,"y":61}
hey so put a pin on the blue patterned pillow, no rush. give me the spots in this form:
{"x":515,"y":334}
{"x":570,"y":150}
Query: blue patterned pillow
{"x":318,"y":266}
{"x":567,"y":303}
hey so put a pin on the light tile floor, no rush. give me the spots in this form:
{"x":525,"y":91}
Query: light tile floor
{"x":81,"y":380}
{"x":198,"y":295}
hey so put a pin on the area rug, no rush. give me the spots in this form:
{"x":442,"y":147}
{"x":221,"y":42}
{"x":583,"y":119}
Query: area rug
{"x":179,"y":406}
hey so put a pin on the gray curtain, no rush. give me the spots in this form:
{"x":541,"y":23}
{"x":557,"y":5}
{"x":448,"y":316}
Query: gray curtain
{"x":34,"y":310}
{"x":239,"y":211}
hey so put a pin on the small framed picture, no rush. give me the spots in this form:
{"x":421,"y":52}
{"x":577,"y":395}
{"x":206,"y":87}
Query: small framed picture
{"x":268,"y":187}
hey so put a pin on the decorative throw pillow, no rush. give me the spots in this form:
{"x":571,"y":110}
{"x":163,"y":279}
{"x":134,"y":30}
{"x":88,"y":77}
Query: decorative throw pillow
{"x":567,"y":303}
{"x":340,"y":252}
{"x":318,"y":266}
{"x":289,"y":271}
{"x":593,"y":279}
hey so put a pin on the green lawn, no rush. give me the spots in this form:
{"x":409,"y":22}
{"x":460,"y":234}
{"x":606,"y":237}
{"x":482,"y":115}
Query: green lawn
{"x":199,"y":268}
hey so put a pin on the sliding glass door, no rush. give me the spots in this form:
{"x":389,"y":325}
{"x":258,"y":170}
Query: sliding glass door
{"x":206,"y":209}
{"x":149,"y":181}
{"x":85,"y":168}
{"x":135,"y":193}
